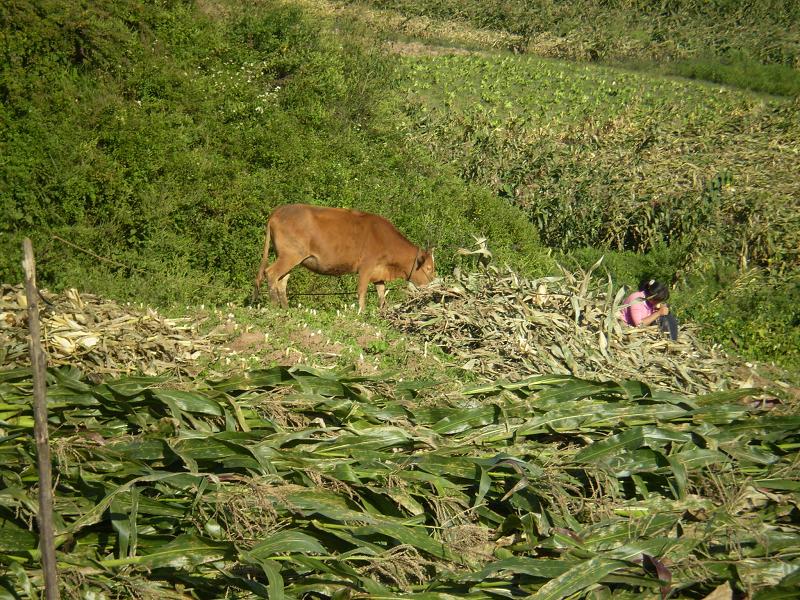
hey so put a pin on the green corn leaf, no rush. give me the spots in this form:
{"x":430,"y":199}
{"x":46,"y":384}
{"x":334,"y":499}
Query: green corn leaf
{"x":284,"y":542}
{"x":23,"y":583}
{"x":680,"y":477}
{"x":579,"y":577}
{"x":778,"y":484}
{"x":462,"y":420}
{"x":272,"y":570}
{"x":697,"y":458}
{"x":16,"y":540}
{"x":542,"y":568}
{"x":96,"y":512}
{"x":189,"y":402}
{"x":183,"y":552}
{"x":483,"y":486}
{"x":611,"y":446}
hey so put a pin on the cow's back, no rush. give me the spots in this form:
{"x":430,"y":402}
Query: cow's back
{"x":337,"y":240}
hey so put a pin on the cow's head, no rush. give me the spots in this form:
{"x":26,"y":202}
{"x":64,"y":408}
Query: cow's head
{"x":424,"y":270}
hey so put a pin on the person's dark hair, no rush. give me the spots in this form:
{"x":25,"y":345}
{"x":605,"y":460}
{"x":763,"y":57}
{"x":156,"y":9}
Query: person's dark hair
{"x":655,"y":291}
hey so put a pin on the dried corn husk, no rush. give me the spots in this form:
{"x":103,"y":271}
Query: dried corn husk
{"x":499,"y":324}
{"x":100,"y":336}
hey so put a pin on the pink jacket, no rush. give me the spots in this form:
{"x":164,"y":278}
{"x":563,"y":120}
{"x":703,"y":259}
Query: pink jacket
{"x":638,"y":309}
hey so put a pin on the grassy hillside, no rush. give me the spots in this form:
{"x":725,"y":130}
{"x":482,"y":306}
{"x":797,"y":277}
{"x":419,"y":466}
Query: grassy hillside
{"x":605,"y":158}
{"x":158,"y":137}
{"x":144,"y":146}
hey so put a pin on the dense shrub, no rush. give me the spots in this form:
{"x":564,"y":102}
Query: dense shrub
{"x":158,"y":137}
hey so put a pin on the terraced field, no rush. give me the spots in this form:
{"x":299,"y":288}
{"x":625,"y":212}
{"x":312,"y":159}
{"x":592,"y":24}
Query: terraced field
{"x":492,"y":436}
{"x":608,"y":158}
{"x":298,"y":481}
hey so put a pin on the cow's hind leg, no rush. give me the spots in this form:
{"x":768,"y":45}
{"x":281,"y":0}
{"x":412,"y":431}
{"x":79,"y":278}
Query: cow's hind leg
{"x":380,"y":287}
{"x":363,"y":285}
{"x":277,"y":274}
{"x":281,"y":285}
{"x":262,"y":267}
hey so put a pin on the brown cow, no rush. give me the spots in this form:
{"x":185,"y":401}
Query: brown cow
{"x":335,"y":241}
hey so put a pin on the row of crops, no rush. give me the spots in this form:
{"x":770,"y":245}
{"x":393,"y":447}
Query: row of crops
{"x":721,"y":32}
{"x":613,"y":159}
{"x":291,"y":482}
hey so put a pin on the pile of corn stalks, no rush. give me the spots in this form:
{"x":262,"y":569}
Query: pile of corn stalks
{"x":98,"y":335}
{"x":499,"y":324}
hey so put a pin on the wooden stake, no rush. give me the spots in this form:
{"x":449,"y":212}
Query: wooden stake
{"x":38,"y":364}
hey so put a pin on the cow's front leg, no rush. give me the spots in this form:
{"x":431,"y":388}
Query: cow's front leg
{"x":380,"y":287}
{"x":363,"y":284}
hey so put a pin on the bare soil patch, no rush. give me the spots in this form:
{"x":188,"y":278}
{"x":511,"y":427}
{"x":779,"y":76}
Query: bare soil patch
{"x":250,"y":341}
{"x":420,"y":49}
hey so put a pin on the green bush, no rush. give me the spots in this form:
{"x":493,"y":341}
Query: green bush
{"x":159,"y":137}
{"x":628,"y":268}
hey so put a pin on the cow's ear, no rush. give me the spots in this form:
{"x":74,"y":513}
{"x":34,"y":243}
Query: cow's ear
{"x":421,"y":260}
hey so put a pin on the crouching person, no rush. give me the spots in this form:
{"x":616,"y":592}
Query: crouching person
{"x":648,"y":306}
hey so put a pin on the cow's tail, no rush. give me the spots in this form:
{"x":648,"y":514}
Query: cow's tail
{"x":262,"y":268}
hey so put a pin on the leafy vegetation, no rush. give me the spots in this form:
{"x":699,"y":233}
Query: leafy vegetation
{"x":283,"y":482}
{"x":160,"y":136}
{"x":604,"y":158}
{"x":751,"y":45}
{"x":143,"y":146}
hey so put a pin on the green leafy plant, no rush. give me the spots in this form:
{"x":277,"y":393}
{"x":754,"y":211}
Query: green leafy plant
{"x":284,"y":481}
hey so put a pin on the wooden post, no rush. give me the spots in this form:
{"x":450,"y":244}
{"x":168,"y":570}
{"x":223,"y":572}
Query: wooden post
{"x":38,"y":365}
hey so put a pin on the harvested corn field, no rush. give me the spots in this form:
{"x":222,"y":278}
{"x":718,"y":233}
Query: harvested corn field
{"x":290,"y":482}
{"x":560,"y":474}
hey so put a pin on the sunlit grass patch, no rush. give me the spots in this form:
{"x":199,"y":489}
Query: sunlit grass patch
{"x":771,"y":79}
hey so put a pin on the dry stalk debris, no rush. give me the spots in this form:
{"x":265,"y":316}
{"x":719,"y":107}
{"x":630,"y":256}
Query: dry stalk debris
{"x":502,"y":325}
{"x":99,"y":336}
